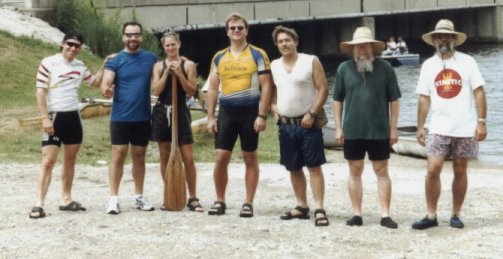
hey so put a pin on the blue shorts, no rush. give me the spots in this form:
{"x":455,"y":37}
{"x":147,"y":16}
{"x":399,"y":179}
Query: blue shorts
{"x":355,"y":149}
{"x":136,"y":133}
{"x":300,"y":147}
{"x":446,"y":146}
{"x":233,"y":122}
{"x":67,"y":129}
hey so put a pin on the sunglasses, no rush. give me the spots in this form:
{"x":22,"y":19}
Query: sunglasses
{"x":72,"y":44}
{"x":239,"y":28}
{"x":132,"y":34}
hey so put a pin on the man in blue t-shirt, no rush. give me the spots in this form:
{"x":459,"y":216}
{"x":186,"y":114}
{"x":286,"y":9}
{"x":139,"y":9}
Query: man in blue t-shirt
{"x":127,"y":80}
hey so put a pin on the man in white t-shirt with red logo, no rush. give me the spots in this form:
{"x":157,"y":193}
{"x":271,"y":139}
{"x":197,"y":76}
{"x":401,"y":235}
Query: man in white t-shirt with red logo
{"x":451,"y":84}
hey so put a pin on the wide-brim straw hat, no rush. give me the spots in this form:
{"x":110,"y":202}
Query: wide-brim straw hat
{"x":362,"y":35}
{"x":444,"y":26}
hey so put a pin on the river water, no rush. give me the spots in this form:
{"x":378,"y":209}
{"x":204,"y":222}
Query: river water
{"x":489,"y":58}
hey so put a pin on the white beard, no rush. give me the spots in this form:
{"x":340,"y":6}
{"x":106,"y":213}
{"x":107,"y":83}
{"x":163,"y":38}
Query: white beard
{"x":364,"y":64}
{"x":444,"y":49}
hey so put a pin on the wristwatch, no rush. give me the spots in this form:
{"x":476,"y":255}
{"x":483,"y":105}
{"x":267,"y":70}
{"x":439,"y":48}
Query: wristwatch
{"x":313,"y":114}
{"x":262,"y":116}
{"x":482,"y":120}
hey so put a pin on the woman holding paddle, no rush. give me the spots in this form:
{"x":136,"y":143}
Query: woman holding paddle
{"x":185,"y":83}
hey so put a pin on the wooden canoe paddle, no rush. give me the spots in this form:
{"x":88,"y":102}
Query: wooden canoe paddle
{"x":174,"y":179}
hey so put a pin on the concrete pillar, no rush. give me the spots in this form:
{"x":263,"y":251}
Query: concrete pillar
{"x":370,"y":23}
{"x":498,"y":20}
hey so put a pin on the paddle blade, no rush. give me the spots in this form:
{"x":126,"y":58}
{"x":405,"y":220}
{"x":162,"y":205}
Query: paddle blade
{"x":175,"y":194}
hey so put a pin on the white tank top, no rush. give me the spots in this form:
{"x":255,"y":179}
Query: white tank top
{"x":296,"y":92}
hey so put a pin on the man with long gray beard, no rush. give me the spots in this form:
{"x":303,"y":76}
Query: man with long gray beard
{"x":127,"y":80}
{"x":366,"y":89}
{"x":447,"y":82}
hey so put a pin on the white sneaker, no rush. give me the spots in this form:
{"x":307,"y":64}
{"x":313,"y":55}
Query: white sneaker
{"x":113,"y":207}
{"x":141,"y":204}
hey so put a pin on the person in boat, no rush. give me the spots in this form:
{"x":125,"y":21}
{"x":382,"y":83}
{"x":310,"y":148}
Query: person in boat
{"x":301,"y":91}
{"x":391,"y":47}
{"x":127,"y":79}
{"x":366,"y":90}
{"x":401,"y":46}
{"x":451,"y":84}
{"x":186,"y":73}
{"x":58,"y":79}
{"x":245,"y":99}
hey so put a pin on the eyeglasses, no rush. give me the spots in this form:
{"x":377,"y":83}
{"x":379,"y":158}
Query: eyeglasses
{"x":132,"y":34}
{"x":239,"y":28}
{"x":72,"y":44}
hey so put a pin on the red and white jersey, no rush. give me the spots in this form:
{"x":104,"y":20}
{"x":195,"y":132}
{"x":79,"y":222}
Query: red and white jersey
{"x":62,"y":80}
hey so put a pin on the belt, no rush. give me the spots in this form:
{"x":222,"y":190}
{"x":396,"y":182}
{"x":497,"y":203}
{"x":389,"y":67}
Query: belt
{"x":291,"y":120}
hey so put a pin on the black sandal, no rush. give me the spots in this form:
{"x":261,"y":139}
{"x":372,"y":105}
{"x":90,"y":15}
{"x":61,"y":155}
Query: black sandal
{"x":194,"y":205}
{"x":320,"y":221}
{"x":218,"y":208}
{"x":38,"y":210}
{"x":72,"y":206}
{"x":304,"y":214}
{"x":246,"y":211}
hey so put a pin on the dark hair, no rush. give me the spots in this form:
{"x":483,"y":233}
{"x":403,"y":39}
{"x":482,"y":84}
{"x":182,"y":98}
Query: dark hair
{"x":282,"y":29}
{"x":131,"y":23}
{"x":73,"y":35}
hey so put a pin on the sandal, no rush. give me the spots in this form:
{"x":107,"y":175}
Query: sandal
{"x":218,"y":208}
{"x":320,"y":221}
{"x":39,"y":213}
{"x":194,"y":205}
{"x":246,"y":211}
{"x":304,"y":214}
{"x":72,"y":206}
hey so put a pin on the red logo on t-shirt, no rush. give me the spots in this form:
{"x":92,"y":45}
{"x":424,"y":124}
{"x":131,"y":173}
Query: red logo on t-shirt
{"x":448,"y":83}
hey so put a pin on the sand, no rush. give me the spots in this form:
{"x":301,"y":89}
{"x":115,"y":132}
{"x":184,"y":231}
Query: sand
{"x":188,"y":234}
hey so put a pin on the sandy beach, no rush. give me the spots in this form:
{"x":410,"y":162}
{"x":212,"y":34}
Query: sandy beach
{"x":185,"y":234}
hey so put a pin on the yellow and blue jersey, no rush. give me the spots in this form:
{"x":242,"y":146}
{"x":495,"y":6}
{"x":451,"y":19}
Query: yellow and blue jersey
{"x":239,"y":75}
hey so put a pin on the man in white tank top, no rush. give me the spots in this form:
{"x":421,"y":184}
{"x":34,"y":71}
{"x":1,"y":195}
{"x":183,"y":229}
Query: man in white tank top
{"x":301,"y":91}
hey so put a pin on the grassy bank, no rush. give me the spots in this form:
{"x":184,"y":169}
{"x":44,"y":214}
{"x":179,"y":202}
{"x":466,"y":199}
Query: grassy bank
{"x":19,"y":60}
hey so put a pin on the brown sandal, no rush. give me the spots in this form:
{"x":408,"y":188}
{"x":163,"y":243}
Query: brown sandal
{"x":194,"y":205}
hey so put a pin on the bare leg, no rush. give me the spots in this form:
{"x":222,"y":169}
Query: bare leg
{"x":68,"y":171}
{"x":251,"y":176}
{"x":49,"y":157}
{"x":116,"y":168}
{"x":355,"y":185}
{"x":190,"y":169}
{"x":383,"y":185}
{"x":138,"y":155}
{"x":220,"y":172}
{"x":317,"y":185}
{"x":433,"y":185}
{"x":164,"y":151}
{"x":299,"y":188}
{"x":459,"y":184}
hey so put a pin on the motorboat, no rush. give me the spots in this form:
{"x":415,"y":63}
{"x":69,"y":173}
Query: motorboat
{"x":401,"y":59}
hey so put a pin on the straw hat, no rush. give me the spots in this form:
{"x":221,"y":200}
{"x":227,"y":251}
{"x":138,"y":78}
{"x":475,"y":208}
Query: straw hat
{"x":362,"y":35}
{"x":445,"y":26}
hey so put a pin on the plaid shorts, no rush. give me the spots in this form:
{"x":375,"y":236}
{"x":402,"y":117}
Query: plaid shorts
{"x":447,"y":146}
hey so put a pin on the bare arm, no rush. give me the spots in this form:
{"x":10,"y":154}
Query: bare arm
{"x":158,"y":79}
{"x":481,"y":102}
{"x":107,"y":87}
{"x":320,"y":82}
{"x":189,"y":83}
{"x":394,"y":107}
{"x":266,"y":85}
{"x":99,"y":74}
{"x":211,"y":100}
{"x":423,"y":105}
{"x":42,"y":107}
{"x":339,"y":132}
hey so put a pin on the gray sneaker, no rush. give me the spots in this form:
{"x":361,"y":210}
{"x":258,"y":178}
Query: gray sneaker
{"x":113,"y":207}
{"x":141,"y":204}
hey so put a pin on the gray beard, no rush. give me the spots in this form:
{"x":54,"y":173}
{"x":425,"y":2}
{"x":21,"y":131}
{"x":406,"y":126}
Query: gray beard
{"x":364,"y":65}
{"x":444,"y":49}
